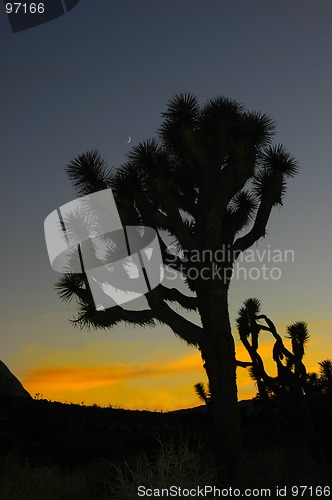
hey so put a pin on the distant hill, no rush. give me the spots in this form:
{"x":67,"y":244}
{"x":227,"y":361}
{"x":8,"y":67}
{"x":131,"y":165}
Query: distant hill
{"x":9,"y":384}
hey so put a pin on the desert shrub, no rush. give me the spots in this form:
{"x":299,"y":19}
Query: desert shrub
{"x":287,"y":465}
{"x":179,"y":462}
{"x":20,"y":479}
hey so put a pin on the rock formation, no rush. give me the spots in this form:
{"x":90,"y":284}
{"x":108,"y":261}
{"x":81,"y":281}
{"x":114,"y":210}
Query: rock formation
{"x":9,"y":384}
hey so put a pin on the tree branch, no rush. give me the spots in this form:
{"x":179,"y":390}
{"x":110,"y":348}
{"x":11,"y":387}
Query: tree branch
{"x":174,"y":295}
{"x":183,"y":328}
{"x":259,"y":227}
{"x":272,"y":328}
{"x":244,"y":364}
{"x":90,"y":317}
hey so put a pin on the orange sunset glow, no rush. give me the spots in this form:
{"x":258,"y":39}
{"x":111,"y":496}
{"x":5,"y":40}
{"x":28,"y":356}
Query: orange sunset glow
{"x":157,"y":383}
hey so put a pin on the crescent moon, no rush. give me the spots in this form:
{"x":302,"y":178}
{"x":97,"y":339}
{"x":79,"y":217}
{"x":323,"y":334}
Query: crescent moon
{"x":129,"y":140}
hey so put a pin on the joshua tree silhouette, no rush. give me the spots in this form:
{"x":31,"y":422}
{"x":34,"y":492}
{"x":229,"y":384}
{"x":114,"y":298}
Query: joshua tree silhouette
{"x":291,"y":386}
{"x":213,"y":175}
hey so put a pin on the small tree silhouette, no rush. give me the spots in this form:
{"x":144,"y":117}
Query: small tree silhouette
{"x":203,"y":393}
{"x":291,"y":384}
{"x":325,"y":369}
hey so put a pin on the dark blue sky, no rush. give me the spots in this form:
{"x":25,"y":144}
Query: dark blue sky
{"x":103,"y":72}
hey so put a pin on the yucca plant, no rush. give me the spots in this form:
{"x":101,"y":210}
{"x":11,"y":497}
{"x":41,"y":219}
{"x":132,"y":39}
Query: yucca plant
{"x":325,"y":369}
{"x":291,"y":383}
{"x":203,"y":393}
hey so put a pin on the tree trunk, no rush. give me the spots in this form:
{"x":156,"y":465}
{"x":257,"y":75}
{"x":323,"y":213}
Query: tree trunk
{"x":220,"y":364}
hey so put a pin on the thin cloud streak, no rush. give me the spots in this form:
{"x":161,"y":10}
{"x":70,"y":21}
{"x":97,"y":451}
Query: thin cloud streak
{"x":77,"y":378}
